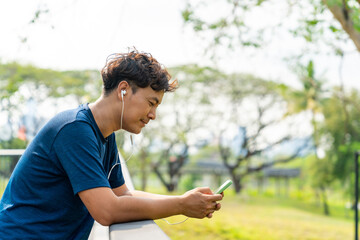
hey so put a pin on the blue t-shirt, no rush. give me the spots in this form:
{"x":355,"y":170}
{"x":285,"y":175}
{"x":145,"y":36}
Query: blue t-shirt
{"x":67,"y":156}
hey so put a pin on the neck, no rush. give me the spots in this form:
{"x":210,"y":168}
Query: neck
{"x":104,"y":113}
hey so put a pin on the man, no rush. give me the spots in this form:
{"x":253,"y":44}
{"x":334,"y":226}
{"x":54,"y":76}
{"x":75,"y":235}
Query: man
{"x":68,"y":175}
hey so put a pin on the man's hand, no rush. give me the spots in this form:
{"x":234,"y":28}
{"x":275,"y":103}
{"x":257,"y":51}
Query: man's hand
{"x":200,"y":202}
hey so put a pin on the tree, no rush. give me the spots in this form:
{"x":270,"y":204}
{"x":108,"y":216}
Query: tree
{"x":233,"y":24}
{"x":263,"y":114}
{"x":311,"y":98}
{"x":208,"y":102}
{"x":175,"y":161}
{"x":347,"y":13}
{"x":333,"y":24}
{"x":342,"y":133}
{"x":183,"y":113}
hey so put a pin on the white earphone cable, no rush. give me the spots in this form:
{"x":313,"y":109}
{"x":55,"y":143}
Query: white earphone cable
{"x":131,"y":140}
{"x":122,"y":109}
{"x":174,"y":223}
{"x":118,"y":157}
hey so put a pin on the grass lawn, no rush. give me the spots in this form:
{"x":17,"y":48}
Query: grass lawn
{"x":260,"y":218}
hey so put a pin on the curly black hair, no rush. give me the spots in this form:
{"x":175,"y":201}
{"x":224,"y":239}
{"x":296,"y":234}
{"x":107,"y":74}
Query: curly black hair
{"x":138,"y":69}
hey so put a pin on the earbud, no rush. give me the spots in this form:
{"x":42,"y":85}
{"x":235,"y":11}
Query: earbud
{"x":123,"y":92}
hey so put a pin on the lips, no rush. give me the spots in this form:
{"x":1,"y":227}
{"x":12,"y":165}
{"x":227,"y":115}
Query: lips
{"x":144,"y":122}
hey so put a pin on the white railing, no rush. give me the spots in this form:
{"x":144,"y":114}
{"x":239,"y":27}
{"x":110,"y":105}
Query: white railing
{"x":11,"y":152}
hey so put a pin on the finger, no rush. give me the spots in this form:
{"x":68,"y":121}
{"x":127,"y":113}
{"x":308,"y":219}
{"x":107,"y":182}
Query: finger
{"x":214,"y":197}
{"x":205,"y":190}
{"x":217,"y":207}
{"x":209,"y":215}
{"x":211,"y":206}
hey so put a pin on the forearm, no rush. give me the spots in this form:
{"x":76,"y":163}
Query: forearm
{"x":137,"y":193}
{"x":130,"y":208}
{"x":108,"y":206}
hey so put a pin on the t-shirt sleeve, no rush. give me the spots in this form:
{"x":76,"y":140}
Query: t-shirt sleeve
{"x":79,"y":154}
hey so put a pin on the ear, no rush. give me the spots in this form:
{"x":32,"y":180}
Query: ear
{"x":122,"y":89}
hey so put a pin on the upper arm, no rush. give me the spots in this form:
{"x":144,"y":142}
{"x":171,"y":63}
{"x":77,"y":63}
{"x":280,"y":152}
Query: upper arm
{"x":98,"y":201}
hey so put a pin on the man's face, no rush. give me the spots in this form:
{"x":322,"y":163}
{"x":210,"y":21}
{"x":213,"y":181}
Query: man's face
{"x":140,"y":108}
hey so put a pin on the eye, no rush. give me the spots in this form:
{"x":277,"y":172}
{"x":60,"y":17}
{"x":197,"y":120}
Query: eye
{"x":151,"y":104}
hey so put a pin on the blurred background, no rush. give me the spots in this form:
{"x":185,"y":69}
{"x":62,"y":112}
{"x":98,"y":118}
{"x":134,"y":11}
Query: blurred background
{"x":268,"y":97}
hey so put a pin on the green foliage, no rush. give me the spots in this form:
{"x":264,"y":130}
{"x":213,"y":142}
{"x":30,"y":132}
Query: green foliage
{"x":233,"y":27}
{"x":310,"y":96}
{"x":189,"y":182}
{"x":53,"y":83}
{"x":342,"y":131}
{"x":21,"y":83}
{"x":320,"y":171}
{"x":355,"y":13}
{"x":222,"y":28}
{"x":13,"y":143}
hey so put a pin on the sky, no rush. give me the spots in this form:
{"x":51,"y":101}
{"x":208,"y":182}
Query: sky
{"x":80,"y":34}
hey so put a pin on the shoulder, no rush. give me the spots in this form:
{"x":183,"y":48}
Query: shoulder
{"x":77,"y":131}
{"x":75,"y":138}
{"x":72,"y":120}
{"x":72,"y":123}
{"x":64,"y":118}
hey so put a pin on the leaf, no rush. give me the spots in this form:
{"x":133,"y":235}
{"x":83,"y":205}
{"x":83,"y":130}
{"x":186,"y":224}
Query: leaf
{"x":312,"y":22}
{"x":334,"y":29}
{"x":186,"y":15}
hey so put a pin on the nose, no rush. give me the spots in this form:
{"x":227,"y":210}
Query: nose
{"x":152,"y":114}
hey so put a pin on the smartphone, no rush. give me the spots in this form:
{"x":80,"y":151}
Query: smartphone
{"x":224,"y":186}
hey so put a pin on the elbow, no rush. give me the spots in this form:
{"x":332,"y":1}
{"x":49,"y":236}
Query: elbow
{"x":104,"y":220}
{"x":104,"y":215}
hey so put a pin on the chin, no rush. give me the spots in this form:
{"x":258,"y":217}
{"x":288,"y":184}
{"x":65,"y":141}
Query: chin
{"x":135,"y":131}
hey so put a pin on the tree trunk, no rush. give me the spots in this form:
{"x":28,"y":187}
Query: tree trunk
{"x":324,"y":200}
{"x":171,"y":187}
{"x":143,"y":157}
{"x":236,"y":181}
{"x":341,"y":14}
{"x":162,"y":180}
